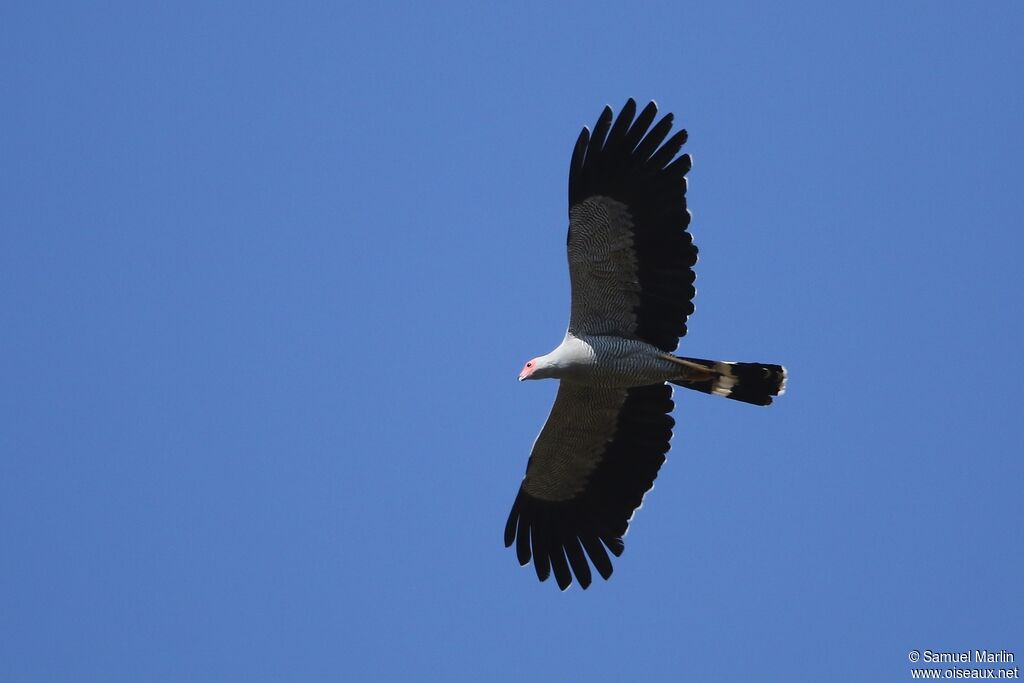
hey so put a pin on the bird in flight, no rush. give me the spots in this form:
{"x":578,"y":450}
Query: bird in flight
{"x":631,"y":268}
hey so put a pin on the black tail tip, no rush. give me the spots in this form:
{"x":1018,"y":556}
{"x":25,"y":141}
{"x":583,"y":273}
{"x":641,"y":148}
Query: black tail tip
{"x":755,"y":383}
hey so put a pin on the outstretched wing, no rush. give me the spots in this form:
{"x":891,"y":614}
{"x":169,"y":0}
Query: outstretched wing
{"x":597,"y":455}
{"x":630,"y":256}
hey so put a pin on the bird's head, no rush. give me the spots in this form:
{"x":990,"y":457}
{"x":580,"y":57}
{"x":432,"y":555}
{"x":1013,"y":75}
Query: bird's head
{"x":534,"y":369}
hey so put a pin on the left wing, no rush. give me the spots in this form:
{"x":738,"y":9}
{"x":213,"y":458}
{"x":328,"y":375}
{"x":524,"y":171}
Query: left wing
{"x":597,"y":455}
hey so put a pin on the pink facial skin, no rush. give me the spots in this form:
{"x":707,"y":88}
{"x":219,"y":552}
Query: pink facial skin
{"x":527,"y":369}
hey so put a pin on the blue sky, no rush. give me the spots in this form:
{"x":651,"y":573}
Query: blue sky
{"x":268,"y":273}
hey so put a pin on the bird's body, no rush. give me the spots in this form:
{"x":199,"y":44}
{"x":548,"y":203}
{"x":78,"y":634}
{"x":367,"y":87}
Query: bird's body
{"x":605,"y":361}
{"x":631,"y":266}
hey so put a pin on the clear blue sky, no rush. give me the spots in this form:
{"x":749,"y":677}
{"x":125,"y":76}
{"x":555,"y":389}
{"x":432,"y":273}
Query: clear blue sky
{"x":268,"y":273}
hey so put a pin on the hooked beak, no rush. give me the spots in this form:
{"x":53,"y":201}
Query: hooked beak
{"x":521,"y":378}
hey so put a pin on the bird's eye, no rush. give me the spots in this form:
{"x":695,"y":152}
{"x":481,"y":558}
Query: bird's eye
{"x":529,"y":365}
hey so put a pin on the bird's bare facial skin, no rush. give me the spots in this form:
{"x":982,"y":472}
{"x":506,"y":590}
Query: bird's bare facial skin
{"x":527,"y":370}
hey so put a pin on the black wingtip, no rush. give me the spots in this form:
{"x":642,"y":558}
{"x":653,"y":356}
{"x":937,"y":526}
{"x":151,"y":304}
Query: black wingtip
{"x":640,"y":126}
{"x":668,"y":151}
{"x":621,"y":127}
{"x":523,"y":541}
{"x":615,"y":544}
{"x":512,"y":523}
{"x":604,"y":122}
{"x":579,"y":159}
{"x":578,"y":561}
{"x":560,"y":568}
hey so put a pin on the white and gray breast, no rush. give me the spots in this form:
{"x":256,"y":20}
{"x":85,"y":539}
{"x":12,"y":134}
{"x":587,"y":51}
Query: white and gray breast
{"x":606,"y":361}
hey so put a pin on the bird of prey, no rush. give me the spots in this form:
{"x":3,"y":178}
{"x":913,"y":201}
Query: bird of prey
{"x":631,"y":269}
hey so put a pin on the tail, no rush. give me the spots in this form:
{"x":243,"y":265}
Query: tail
{"x":748,"y":382}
